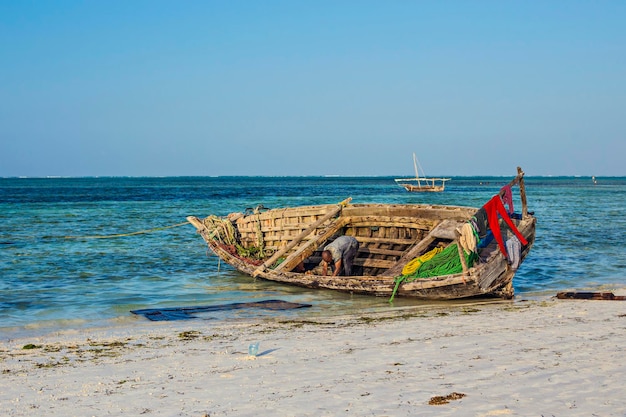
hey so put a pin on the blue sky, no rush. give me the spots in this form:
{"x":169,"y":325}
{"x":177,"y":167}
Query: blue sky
{"x":160,"y":88}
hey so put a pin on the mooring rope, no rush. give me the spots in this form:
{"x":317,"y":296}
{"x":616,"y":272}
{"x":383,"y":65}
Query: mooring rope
{"x":140,"y":232}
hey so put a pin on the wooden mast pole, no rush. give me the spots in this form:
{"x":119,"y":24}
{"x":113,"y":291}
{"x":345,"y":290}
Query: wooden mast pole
{"x":522,"y":192}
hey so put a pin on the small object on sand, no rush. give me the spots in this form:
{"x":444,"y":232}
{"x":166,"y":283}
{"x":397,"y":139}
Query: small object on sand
{"x":588,"y":295}
{"x":253,"y":349}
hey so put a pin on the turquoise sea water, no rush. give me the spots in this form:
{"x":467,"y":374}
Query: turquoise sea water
{"x":56,"y":271}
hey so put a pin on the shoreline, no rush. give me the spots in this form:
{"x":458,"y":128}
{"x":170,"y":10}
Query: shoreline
{"x":44,"y":328}
{"x":551,"y":357}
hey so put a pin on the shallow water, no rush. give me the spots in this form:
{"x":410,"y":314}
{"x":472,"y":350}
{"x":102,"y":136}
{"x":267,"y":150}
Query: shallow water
{"x":60,"y":267}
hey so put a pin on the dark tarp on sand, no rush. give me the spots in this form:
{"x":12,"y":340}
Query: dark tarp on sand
{"x":185,"y":313}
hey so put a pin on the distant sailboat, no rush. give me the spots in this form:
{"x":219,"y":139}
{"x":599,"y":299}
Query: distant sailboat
{"x":422,"y":184}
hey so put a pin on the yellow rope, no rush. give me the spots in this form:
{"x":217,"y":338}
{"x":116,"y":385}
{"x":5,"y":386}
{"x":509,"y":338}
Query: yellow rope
{"x":126,"y":234}
{"x":413,"y":265}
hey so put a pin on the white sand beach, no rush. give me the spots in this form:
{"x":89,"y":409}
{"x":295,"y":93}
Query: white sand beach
{"x":545,"y":357}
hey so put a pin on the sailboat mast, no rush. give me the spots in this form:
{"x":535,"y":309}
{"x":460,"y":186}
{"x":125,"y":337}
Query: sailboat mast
{"x":417,"y":175}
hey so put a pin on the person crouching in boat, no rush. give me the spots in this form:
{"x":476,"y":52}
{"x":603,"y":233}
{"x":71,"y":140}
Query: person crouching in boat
{"x":340,"y":253}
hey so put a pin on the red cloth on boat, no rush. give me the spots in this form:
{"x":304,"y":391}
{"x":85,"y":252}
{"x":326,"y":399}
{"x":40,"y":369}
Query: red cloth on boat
{"x":494,"y":207}
{"x":507,"y":198}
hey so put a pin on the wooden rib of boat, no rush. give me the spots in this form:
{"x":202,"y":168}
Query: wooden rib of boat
{"x":275,"y":244}
{"x":422,"y":184}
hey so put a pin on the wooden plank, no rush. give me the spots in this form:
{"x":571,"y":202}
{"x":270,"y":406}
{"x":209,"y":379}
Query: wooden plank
{"x":385,"y":221}
{"x":447,"y":229}
{"x":373,"y":240}
{"x":424,"y":214}
{"x":381,"y":251}
{"x":270,"y":229}
{"x":374,"y":263}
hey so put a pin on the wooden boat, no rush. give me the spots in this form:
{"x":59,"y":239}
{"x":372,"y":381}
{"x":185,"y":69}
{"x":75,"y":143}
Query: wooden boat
{"x":422,"y":184}
{"x":275,"y":244}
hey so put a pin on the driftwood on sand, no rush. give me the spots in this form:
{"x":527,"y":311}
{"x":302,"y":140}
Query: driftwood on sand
{"x":589,"y":295}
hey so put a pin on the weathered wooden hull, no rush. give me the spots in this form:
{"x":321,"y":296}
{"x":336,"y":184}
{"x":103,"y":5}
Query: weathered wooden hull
{"x":390,"y":235}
